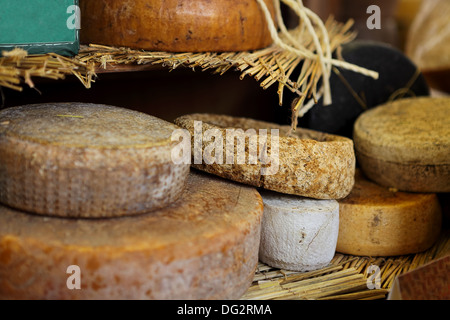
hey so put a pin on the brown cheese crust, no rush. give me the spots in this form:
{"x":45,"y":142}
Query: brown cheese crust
{"x":376,"y":221}
{"x":311,"y":164}
{"x":176,"y":26}
{"x":406,"y":144}
{"x":204,"y":246}
{"x":86,"y":160}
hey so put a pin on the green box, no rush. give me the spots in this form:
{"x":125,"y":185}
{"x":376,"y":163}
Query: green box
{"x":40,"y":26}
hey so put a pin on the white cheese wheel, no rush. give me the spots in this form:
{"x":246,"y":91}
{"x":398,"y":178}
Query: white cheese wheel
{"x":87,"y":160}
{"x":298,"y":234}
{"x":204,"y":246}
{"x":378,"y":221}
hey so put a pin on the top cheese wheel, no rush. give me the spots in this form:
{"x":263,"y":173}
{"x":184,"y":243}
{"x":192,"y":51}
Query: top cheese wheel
{"x":406,"y":144}
{"x":86,"y":160}
{"x":305,"y":163}
{"x":176,"y":25}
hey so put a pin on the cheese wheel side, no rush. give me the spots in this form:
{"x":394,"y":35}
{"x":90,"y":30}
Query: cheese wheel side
{"x":204,"y":246}
{"x":176,"y":26}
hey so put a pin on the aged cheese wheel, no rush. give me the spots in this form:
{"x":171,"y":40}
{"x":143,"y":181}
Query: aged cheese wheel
{"x":307,"y":163}
{"x":86,"y":160}
{"x":378,"y":221}
{"x":176,"y":25}
{"x":298,"y":234}
{"x":406,"y":144}
{"x":204,"y":246}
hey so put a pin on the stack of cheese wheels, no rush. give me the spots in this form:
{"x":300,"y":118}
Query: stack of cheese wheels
{"x":203,"y":246}
{"x":307,"y":163}
{"x":297,"y":233}
{"x":86,"y":160}
{"x":406,"y":144}
{"x":177,"y":25}
{"x":301,"y":175}
{"x":378,"y":221}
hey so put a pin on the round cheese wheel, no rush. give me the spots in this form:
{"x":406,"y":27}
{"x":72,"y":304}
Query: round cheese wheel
{"x":306,"y":163}
{"x":298,"y":234}
{"x":406,"y":144}
{"x":378,"y":221}
{"x":176,"y":25}
{"x":86,"y":160}
{"x":204,"y":246}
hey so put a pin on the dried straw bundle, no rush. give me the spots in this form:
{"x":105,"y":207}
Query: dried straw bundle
{"x":344,"y":279}
{"x":17,"y":66}
{"x":306,"y":49}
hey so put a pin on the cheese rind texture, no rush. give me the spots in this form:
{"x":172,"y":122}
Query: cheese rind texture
{"x":305,"y":163}
{"x":203,"y":246}
{"x":405,"y":144}
{"x":376,"y":221}
{"x":87,"y":161}
{"x":298,"y":234}
{"x":177,"y":25}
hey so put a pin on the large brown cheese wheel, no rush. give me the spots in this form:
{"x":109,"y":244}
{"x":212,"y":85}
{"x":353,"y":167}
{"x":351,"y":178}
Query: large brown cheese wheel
{"x":406,"y":144}
{"x":86,"y":160}
{"x":307,"y":163}
{"x":204,"y":246}
{"x":176,"y":25}
{"x":377,"y":221}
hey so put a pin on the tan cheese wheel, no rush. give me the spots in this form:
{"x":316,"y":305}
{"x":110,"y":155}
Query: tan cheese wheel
{"x":376,"y":221}
{"x":176,"y":25}
{"x":86,"y":160}
{"x":204,"y":246}
{"x":308,"y":163}
{"x":298,"y":234}
{"x":406,"y":144}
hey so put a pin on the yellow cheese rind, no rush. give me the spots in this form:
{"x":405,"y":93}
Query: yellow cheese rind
{"x":376,"y":221}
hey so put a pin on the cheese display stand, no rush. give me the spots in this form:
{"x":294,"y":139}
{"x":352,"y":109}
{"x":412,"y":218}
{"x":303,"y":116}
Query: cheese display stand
{"x":100,"y":201}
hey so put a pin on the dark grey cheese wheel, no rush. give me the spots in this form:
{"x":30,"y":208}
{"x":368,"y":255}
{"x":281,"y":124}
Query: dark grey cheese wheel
{"x":86,"y":160}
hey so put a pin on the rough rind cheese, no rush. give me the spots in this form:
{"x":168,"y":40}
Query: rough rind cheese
{"x":86,"y":160}
{"x":377,"y":221}
{"x":406,"y":144}
{"x":176,"y":25}
{"x":204,"y":246}
{"x":307,"y":163}
{"x":297,"y":233}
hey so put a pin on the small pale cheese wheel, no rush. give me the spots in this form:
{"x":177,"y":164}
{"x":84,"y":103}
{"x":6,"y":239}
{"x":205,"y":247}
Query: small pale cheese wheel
{"x":86,"y":160}
{"x":405,"y":144}
{"x":203,"y":246}
{"x":298,"y":234}
{"x":377,"y":221}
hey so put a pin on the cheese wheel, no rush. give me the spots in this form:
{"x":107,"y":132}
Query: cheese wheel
{"x":176,"y":25}
{"x":204,"y":246}
{"x":306,"y":163}
{"x":376,"y":221}
{"x":86,"y":160}
{"x":406,"y":144}
{"x":298,"y":234}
